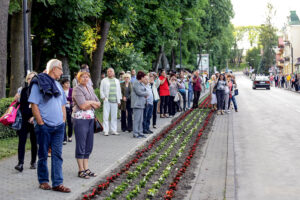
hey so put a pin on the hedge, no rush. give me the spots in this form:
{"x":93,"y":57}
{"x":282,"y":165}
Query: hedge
{"x":6,"y":132}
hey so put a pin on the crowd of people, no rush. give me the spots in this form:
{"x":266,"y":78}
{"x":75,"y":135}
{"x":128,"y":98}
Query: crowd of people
{"x":52,"y":111}
{"x":223,"y":91}
{"x":287,"y":81}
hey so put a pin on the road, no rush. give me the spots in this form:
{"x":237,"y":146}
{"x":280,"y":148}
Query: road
{"x":266,"y":134}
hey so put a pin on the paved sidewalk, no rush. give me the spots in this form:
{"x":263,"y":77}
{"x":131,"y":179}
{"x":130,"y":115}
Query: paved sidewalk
{"x":108,"y":153}
{"x":211,"y":173}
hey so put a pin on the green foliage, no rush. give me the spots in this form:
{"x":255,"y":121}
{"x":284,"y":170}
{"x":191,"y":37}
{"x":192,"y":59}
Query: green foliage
{"x":14,"y":6}
{"x":5,"y":132}
{"x":253,"y":58}
{"x":9,"y":147}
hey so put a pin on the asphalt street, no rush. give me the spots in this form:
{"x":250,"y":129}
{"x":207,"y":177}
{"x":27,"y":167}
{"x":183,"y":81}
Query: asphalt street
{"x":266,"y":143}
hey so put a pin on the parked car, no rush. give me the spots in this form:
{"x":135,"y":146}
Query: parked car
{"x":261,"y":82}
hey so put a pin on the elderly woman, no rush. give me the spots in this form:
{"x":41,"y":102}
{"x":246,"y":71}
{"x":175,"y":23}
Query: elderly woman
{"x":85,"y":102}
{"x":126,"y":122}
{"x":27,"y":126}
{"x":138,"y":101}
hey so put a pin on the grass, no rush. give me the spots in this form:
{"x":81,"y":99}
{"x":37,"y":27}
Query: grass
{"x":9,"y":147}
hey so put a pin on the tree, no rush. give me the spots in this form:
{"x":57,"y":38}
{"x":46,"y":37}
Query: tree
{"x":268,"y":39}
{"x":253,"y":58}
{"x":4,"y":4}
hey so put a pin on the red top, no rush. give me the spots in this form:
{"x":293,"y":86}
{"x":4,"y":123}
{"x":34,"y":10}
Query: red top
{"x":197,"y":84}
{"x":164,"y":88}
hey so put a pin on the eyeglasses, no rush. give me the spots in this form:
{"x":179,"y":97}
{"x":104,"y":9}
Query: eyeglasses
{"x":60,"y":68}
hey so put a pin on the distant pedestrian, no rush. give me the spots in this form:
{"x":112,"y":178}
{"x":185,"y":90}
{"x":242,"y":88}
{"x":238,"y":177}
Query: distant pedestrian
{"x":138,"y":100}
{"x":164,"y":93}
{"x":126,"y":110}
{"x":196,"y":88}
{"x":48,"y":102}
{"x":190,"y":90}
{"x":148,"y":107}
{"x":154,"y":82}
{"x":110,"y":92}
{"x":133,"y":75}
{"x":27,"y":126}
{"x":220,"y":93}
{"x":85,"y":104}
{"x":68,"y":92}
{"x":213,"y":90}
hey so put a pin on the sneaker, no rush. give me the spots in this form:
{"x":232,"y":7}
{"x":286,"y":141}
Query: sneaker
{"x":65,"y":142}
{"x":150,"y":132}
{"x":70,"y":139}
{"x":236,"y":110}
{"x":106,"y":133}
{"x":33,"y":165}
{"x":228,"y":111}
{"x":141,"y":136}
{"x":115,"y":133}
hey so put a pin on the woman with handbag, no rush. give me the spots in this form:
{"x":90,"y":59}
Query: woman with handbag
{"x":85,"y":102}
{"x":27,"y":126}
{"x":234,"y":92}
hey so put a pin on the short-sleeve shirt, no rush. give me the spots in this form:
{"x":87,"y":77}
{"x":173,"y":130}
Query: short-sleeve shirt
{"x":51,"y":110}
{"x":197,"y":84}
{"x":164,"y":88}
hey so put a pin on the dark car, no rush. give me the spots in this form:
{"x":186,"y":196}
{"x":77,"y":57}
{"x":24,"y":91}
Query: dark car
{"x":261,"y":82}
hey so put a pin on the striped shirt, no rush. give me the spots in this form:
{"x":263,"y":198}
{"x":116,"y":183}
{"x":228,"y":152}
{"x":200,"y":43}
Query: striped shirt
{"x":112,"y":98}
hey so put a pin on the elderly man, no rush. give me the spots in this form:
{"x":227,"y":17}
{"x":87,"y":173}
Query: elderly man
{"x":48,"y":102}
{"x":133,"y":75}
{"x":110,"y":92}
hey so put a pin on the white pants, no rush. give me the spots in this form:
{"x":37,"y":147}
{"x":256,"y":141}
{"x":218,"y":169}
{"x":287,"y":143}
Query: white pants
{"x":111,"y":108}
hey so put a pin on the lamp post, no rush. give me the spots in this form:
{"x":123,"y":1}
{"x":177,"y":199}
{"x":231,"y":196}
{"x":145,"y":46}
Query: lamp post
{"x":26,"y":46}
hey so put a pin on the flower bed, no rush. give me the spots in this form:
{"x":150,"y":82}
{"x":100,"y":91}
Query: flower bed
{"x":150,"y":172}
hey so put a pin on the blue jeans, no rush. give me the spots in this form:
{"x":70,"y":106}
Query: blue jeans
{"x":147,"y":117}
{"x":190,"y":98}
{"x":233,"y":101}
{"x":50,"y":136}
{"x":183,"y":94}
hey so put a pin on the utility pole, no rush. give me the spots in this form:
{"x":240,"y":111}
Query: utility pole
{"x":26,"y":46}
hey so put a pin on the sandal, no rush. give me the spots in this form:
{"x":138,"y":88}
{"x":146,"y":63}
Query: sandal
{"x":89,"y":173}
{"x":45,"y":186}
{"x":61,"y":188}
{"x":83,"y":174}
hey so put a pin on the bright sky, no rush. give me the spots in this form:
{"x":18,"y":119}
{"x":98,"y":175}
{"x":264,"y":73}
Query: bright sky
{"x":253,"y":12}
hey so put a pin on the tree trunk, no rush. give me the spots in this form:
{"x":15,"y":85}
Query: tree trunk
{"x":3,"y":45}
{"x":97,"y":57}
{"x":165,"y":62}
{"x":65,"y":64}
{"x":173,"y":60}
{"x":38,"y":54}
{"x":157,"y":63}
{"x":17,"y":53}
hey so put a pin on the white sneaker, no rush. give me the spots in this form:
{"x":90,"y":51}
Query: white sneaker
{"x":106,"y":133}
{"x":115,"y":133}
{"x":228,"y":111}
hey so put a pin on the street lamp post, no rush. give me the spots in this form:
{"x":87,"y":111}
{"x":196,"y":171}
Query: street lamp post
{"x":26,"y":35}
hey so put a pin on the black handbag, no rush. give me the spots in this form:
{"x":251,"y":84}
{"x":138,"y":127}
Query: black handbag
{"x":236,"y":92}
{"x":97,"y":126}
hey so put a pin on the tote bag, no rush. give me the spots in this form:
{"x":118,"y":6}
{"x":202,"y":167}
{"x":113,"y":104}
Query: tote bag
{"x":9,"y":116}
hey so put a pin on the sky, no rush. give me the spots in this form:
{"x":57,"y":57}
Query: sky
{"x":253,"y":12}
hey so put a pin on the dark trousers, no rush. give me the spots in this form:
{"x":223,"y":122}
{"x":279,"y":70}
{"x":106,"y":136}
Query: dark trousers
{"x":147,"y":117}
{"x":23,"y":133}
{"x":69,"y":123}
{"x":196,"y":98}
{"x":164,"y":101}
{"x":126,"y":122}
{"x":233,"y":101}
{"x":50,"y":136}
{"x":220,"y":98}
{"x":84,"y":135}
{"x":154,"y":113}
{"x":172,"y":104}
